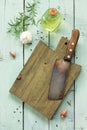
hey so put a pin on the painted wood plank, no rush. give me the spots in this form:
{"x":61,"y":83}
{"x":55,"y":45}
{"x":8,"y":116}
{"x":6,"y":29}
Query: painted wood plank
{"x":12,"y":103}
{"x":10,"y":106}
{"x":66,"y":10}
{"x":38,"y":33}
{"x":81,"y":53}
{"x":32,"y":119}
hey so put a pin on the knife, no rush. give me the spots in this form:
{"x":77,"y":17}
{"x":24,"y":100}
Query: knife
{"x":61,"y":68}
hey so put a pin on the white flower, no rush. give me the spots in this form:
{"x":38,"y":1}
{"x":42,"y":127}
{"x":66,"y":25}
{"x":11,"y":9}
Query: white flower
{"x":26,"y":37}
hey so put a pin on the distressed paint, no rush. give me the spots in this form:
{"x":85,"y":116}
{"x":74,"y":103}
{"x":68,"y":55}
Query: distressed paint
{"x":32,"y":119}
{"x":81,"y":82}
{"x":11,"y":110}
{"x":10,"y":106}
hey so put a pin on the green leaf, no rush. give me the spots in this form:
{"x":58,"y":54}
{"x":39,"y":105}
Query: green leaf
{"x":24,"y":19}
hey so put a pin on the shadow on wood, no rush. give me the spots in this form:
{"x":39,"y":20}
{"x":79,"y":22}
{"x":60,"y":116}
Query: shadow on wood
{"x":32,"y":84}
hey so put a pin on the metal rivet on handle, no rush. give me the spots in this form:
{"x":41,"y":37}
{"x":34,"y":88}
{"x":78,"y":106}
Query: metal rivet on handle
{"x":68,"y":56}
{"x":70,"y":50}
{"x":73,"y":43}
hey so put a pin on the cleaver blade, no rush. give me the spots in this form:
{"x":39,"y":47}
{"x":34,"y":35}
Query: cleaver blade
{"x":61,"y":68}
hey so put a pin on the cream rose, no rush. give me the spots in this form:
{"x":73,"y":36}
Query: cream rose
{"x":26,"y":37}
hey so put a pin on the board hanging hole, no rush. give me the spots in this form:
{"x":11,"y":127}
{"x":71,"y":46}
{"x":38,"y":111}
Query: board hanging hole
{"x":65,"y":43}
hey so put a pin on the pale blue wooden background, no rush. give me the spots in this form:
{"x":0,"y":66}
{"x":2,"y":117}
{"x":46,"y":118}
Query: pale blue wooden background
{"x":13,"y":114}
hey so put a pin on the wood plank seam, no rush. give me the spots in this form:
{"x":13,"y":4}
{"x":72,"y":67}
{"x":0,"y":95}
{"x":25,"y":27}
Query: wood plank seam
{"x":23,"y":63}
{"x":74,"y":56}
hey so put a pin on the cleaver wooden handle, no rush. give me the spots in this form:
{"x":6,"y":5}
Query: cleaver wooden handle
{"x":71,"y":45}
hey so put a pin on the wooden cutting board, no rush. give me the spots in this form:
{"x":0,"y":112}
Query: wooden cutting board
{"x":32,"y":84}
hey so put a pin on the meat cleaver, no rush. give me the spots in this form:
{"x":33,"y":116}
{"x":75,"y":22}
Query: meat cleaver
{"x":60,"y":69}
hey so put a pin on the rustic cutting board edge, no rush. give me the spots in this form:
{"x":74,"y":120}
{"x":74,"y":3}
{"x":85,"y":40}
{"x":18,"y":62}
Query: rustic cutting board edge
{"x":48,"y":116}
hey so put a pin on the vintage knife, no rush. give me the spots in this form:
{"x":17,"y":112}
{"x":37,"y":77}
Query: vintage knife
{"x":60,"y":69}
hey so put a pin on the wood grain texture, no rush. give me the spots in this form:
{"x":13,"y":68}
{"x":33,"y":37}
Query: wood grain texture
{"x":35,"y":77}
{"x":80,"y":58}
{"x":10,"y":106}
{"x":33,"y":120}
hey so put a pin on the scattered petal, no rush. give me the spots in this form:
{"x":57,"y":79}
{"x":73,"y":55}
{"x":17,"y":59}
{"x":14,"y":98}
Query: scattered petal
{"x":63,"y":113}
{"x":12,"y":53}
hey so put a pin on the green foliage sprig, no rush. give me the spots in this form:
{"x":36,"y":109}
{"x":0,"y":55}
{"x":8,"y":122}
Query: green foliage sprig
{"x":24,"y":19}
{"x":16,"y":26}
{"x":32,"y":12}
